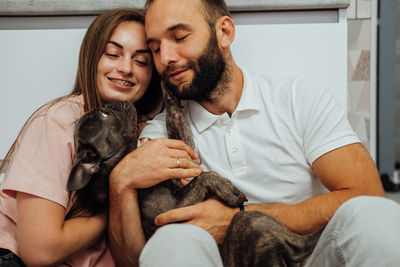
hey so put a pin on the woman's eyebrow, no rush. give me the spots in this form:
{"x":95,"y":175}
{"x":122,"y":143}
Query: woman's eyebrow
{"x":116,"y":44}
{"x":139,"y":51}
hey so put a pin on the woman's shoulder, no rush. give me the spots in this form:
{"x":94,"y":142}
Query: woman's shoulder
{"x":65,"y":110}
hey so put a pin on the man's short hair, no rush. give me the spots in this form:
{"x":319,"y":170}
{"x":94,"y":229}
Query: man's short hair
{"x":213,"y":9}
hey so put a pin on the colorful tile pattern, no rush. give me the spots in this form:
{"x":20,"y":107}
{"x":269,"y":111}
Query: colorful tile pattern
{"x":359,"y":48}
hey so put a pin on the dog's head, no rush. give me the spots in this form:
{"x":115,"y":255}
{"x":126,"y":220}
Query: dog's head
{"x":102,"y":137}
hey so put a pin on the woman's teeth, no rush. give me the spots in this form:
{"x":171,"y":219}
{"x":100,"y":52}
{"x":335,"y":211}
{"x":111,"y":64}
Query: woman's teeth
{"x":125,"y":83}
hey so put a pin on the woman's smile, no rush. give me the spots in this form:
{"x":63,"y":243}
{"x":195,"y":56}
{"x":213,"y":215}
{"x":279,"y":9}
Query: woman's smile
{"x":121,"y":83}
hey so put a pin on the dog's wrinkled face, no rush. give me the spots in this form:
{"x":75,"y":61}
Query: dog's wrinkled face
{"x":102,"y":138}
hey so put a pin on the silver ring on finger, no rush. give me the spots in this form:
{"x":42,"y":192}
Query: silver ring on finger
{"x":178,"y":163}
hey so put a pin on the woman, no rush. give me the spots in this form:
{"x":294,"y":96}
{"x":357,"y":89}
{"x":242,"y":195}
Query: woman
{"x":114,"y":64}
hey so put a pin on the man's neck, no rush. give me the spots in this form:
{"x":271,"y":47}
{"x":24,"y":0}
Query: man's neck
{"x":226,"y":99}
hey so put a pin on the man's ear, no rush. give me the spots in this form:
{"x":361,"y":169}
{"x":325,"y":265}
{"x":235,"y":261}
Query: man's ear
{"x":225,"y":28}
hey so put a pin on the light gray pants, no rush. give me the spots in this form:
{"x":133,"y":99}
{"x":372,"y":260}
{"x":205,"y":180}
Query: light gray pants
{"x":365,"y":231}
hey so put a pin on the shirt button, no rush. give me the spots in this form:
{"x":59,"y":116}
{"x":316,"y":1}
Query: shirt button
{"x":230,"y":132}
{"x":234,"y":150}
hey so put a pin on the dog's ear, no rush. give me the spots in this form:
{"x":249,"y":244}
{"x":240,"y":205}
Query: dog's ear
{"x":81,"y":174}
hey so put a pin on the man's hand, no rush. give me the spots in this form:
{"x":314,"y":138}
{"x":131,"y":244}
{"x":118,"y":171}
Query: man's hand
{"x":154,"y":162}
{"x":211,"y":215}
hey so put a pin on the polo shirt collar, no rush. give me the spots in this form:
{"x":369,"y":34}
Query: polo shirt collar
{"x":201,"y":118}
{"x":250,"y":100}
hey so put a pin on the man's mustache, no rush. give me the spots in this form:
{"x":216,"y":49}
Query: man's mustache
{"x":172,"y":68}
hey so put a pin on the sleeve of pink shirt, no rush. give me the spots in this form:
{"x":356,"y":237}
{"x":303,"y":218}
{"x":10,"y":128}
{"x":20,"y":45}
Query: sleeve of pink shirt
{"x":43,"y":157}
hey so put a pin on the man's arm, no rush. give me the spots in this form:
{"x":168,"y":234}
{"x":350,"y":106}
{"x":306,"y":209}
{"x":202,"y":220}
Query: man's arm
{"x":125,"y":234}
{"x":148,"y":165}
{"x":347,"y":172}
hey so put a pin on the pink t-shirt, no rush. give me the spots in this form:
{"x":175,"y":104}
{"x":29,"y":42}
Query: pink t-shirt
{"x":40,"y":166}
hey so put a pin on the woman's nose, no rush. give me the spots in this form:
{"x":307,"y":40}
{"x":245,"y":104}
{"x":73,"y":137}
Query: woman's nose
{"x":125,"y":66}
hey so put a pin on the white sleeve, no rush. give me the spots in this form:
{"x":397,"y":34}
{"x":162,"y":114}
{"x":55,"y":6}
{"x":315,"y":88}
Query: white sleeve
{"x":322,"y":122}
{"x":155,"y":128}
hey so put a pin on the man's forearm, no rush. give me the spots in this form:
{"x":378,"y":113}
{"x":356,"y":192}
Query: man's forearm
{"x":310,"y":215}
{"x":125,"y":234}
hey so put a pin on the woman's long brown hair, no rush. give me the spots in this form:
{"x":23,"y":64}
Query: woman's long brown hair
{"x":92,"y":48}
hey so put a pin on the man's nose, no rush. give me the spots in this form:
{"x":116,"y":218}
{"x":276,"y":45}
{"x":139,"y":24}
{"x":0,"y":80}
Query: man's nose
{"x":168,"y":54}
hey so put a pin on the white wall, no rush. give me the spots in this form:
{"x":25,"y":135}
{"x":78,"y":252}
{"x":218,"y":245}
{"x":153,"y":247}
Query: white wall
{"x":36,"y":66}
{"x":317,"y":49}
{"x":39,"y":64}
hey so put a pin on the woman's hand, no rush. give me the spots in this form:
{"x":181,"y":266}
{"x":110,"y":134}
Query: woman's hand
{"x":154,"y":162}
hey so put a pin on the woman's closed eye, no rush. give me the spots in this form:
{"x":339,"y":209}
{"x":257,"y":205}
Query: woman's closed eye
{"x":141,"y":63}
{"x":111,"y":55}
{"x":142,"y":60}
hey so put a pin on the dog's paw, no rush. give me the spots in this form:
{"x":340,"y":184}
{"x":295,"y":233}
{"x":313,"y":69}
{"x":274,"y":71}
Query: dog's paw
{"x":210,"y":184}
{"x":223,"y":188}
{"x":229,"y":193}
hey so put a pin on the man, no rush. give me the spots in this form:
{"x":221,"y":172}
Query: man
{"x":280,"y":140}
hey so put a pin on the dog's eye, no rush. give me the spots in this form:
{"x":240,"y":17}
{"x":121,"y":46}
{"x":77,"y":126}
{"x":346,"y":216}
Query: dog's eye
{"x":104,"y":114}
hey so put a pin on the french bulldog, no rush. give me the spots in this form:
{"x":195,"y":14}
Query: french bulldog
{"x":104,"y":136}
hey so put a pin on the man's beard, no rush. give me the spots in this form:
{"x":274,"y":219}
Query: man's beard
{"x":208,"y":74}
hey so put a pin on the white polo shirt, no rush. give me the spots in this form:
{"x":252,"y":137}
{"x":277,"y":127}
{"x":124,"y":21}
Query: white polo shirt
{"x":266,"y":148}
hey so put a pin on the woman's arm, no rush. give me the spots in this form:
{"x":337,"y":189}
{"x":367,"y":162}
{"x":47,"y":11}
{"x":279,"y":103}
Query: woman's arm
{"x":44,"y":238}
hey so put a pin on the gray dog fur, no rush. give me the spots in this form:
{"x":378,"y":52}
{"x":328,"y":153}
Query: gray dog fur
{"x":253,"y":238}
